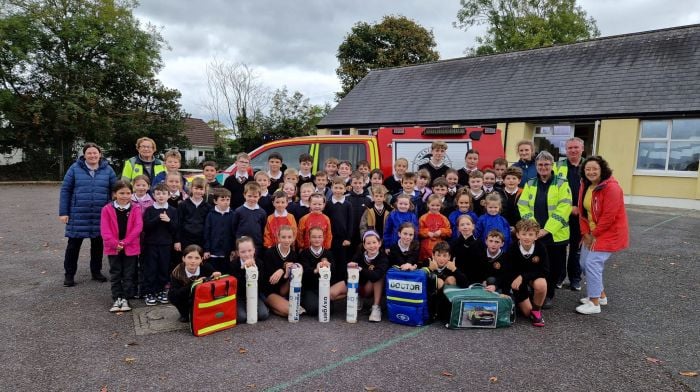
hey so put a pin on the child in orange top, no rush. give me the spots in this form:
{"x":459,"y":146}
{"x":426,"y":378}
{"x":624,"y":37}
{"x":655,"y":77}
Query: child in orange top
{"x":433,"y":228}
{"x":315,"y":218}
{"x":280,"y":217}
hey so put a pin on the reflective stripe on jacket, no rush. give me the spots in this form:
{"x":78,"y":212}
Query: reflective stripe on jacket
{"x":558,"y":206}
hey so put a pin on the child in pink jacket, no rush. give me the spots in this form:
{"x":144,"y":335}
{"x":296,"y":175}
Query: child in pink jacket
{"x":120,"y":226}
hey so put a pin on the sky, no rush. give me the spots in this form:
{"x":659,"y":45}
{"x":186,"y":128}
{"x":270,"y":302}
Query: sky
{"x":294,"y":43}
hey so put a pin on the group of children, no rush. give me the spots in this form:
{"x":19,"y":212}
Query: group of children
{"x":458,"y":223}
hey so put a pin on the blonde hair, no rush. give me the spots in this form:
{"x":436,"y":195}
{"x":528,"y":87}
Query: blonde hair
{"x":145,"y":139}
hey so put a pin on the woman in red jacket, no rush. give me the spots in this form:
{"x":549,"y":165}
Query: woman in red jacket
{"x":604,"y":227}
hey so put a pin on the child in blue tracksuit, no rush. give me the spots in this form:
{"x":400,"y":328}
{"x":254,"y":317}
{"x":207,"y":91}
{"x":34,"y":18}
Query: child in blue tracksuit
{"x":401,"y":214}
{"x":463,"y":201}
{"x":492,"y":220}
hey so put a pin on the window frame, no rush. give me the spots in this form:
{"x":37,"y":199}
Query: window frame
{"x":665,"y":172}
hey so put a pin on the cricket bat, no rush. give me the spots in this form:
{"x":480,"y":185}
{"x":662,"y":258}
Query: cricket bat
{"x":324,"y":294}
{"x":296,"y":273}
{"x":251,"y":294}
{"x":353,"y":294}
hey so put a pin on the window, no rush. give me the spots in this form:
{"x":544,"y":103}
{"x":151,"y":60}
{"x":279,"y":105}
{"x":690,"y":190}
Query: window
{"x":290,"y":156}
{"x":340,"y":131}
{"x":364,"y":131}
{"x":553,"y":138}
{"x":352,"y":152}
{"x":669,"y":145}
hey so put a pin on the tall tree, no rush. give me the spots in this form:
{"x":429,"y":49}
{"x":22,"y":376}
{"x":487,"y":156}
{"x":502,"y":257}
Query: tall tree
{"x":525,"y":24}
{"x":395,"y":41}
{"x":79,"y":70}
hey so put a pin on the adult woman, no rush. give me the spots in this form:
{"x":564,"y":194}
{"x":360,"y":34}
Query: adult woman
{"x":144,"y":162}
{"x":604,"y":227}
{"x":547,"y":199}
{"x":86,"y":189}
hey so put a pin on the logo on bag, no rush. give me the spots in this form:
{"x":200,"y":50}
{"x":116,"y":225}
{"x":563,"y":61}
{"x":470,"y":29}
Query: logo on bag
{"x":405,"y":286}
{"x":402,"y":317}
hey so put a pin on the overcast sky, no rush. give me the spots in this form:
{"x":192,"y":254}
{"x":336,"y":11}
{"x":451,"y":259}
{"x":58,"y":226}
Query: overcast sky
{"x":294,"y":43}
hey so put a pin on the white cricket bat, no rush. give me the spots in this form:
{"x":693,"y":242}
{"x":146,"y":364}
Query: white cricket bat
{"x":296,"y":273}
{"x":353,"y":294}
{"x":251,"y":294}
{"x":324,"y":294}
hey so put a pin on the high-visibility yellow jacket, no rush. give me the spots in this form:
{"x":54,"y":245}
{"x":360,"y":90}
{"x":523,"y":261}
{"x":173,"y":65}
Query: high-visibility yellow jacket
{"x":558,"y":206}
{"x":134,"y":168}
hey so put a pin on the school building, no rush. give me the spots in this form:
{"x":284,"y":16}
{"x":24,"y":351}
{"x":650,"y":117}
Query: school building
{"x":634,"y":99}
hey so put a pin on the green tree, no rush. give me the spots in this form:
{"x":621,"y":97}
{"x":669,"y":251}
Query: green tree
{"x":82,"y":70}
{"x":395,"y":41}
{"x":525,"y":24}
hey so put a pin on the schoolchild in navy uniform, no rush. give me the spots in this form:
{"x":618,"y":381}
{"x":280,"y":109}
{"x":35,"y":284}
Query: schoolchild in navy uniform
{"x":306,"y":162}
{"x":176,"y":192}
{"x":265,"y":201}
{"x":446,"y":203}
{"x":321,"y":180}
{"x":339,"y":211}
{"x":466,"y":249}
{"x":494,"y":267}
{"x":408,"y":184}
{"x":249,"y":219}
{"x":185,"y":274}
{"x":393,"y":183}
{"x":245,"y":249}
{"x":209,"y":172}
{"x":218,"y":233}
{"x":404,"y":253}
{"x":311,"y":259}
{"x":436,"y":165}
{"x":500,"y":165}
{"x":275,"y":270}
{"x":275,"y":171}
{"x":452,"y":184}
{"x":471,"y":164}
{"x":359,"y":201}
{"x":476,"y":189}
{"x":236,"y":182}
{"x":512,"y":192}
{"x":443,"y":265}
{"x":301,"y":207}
{"x":191,"y":215}
{"x":530,"y":268}
{"x":373,"y":265}
{"x":160,"y":224}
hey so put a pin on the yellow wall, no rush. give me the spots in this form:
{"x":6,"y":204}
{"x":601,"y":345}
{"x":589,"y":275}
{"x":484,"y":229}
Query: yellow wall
{"x":676,"y":187}
{"x":516,"y":133}
{"x":617,"y":143}
{"x":323,"y":131}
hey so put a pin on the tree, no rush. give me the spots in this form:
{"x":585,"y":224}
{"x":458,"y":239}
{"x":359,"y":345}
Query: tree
{"x":395,"y":41}
{"x":81,"y":70}
{"x":525,"y":24}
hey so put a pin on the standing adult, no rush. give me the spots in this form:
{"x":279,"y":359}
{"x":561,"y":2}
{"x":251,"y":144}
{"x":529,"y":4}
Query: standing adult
{"x":526,"y":163}
{"x":569,"y":168}
{"x":547,"y":199}
{"x":86,"y":188}
{"x":144,"y":162}
{"x":604,"y":227}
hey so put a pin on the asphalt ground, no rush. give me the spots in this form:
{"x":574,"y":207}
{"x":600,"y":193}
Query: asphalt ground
{"x":64,"y":339}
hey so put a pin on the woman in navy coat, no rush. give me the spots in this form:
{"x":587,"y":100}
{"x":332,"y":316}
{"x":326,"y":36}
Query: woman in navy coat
{"x":86,"y":188}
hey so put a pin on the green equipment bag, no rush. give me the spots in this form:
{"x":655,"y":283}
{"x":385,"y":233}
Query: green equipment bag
{"x":474,"y":307}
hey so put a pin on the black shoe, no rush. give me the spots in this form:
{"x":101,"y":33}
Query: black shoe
{"x":547,"y":304}
{"x":99,"y":277}
{"x":68,"y":282}
{"x":183,"y":319}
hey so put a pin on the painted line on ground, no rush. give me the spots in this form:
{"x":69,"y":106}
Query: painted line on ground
{"x":661,"y":223}
{"x":352,"y":358}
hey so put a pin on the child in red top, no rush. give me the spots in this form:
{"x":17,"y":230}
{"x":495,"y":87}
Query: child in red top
{"x":433,"y":228}
{"x":315,"y":218}
{"x":280,"y":217}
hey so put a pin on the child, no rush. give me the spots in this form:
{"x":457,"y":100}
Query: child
{"x":433,"y":228}
{"x":172,"y":164}
{"x":315,"y":218}
{"x":402,"y":213}
{"x":218,"y":233}
{"x":265,"y":202}
{"x":373,"y":265}
{"x":160,"y":228}
{"x":306,"y":162}
{"x":345,"y":170}
{"x":279,"y":218}
{"x":249,"y":219}
{"x":274,"y":170}
{"x":436,"y":166}
{"x":376,"y":177}
{"x":471,"y":163}
{"x":209,"y":172}
{"x":464,"y":207}
{"x":442,"y":265}
{"x":189,"y":271}
{"x":331,"y":168}
{"x":362,"y":166}
{"x":404,"y":253}
{"x":375,"y":214}
{"x":235,"y":182}
{"x":291,"y":175}
{"x":191,"y":214}
{"x":422,"y":182}
{"x":408,"y":185}
{"x":500,"y":166}
{"x":393,"y":183}
{"x":493,"y":266}
{"x":492,"y":220}
{"x":290,"y":190}
{"x":452,"y":183}
{"x":321,"y":182}
{"x":246,"y":258}
{"x":530,"y":266}
{"x":490,"y":181}
{"x":339,"y":211}
{"x":440,"y":190}
{"x":476,"y":190}
{"x":274,"y":277}
{"x":120,"y":227}
{"x":359,"y":201}
{"x":301,"y":207}
{"x":311,"y":259}
{"x":174,"y":182}
{"x":466,"y":249}
{"x":511,"y":193}
{"x":141,"y":197}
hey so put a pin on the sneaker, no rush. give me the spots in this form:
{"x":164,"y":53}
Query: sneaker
{"x":68,"y":282}
{"x":575,"y":287}
{"x":125,"y":305}
{"x":548,"y":304}
{"x":99,"y":277}
{"x":536,"y":317}
{"x":151,"y":300}
{"x":588,"y":308}
{"x":601,"y":301}
{"x":301,"y":310}
{"x":163,"y":297}
{"x":376,"y":315}
{"x":117,"y":306}
{"x":560,"y":284}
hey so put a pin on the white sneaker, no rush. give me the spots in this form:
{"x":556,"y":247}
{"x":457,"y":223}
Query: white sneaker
{"x":125,"y":305}
{"x":117,"y":306}
{"x":588,"y":308}
{"x":601,"y":301}
{"x":376,"y":315}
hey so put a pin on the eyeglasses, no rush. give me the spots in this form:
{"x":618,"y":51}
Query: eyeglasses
{"x":544,"y":164}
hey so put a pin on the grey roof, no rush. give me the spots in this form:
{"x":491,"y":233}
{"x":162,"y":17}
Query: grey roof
{"x":652,"y":72}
